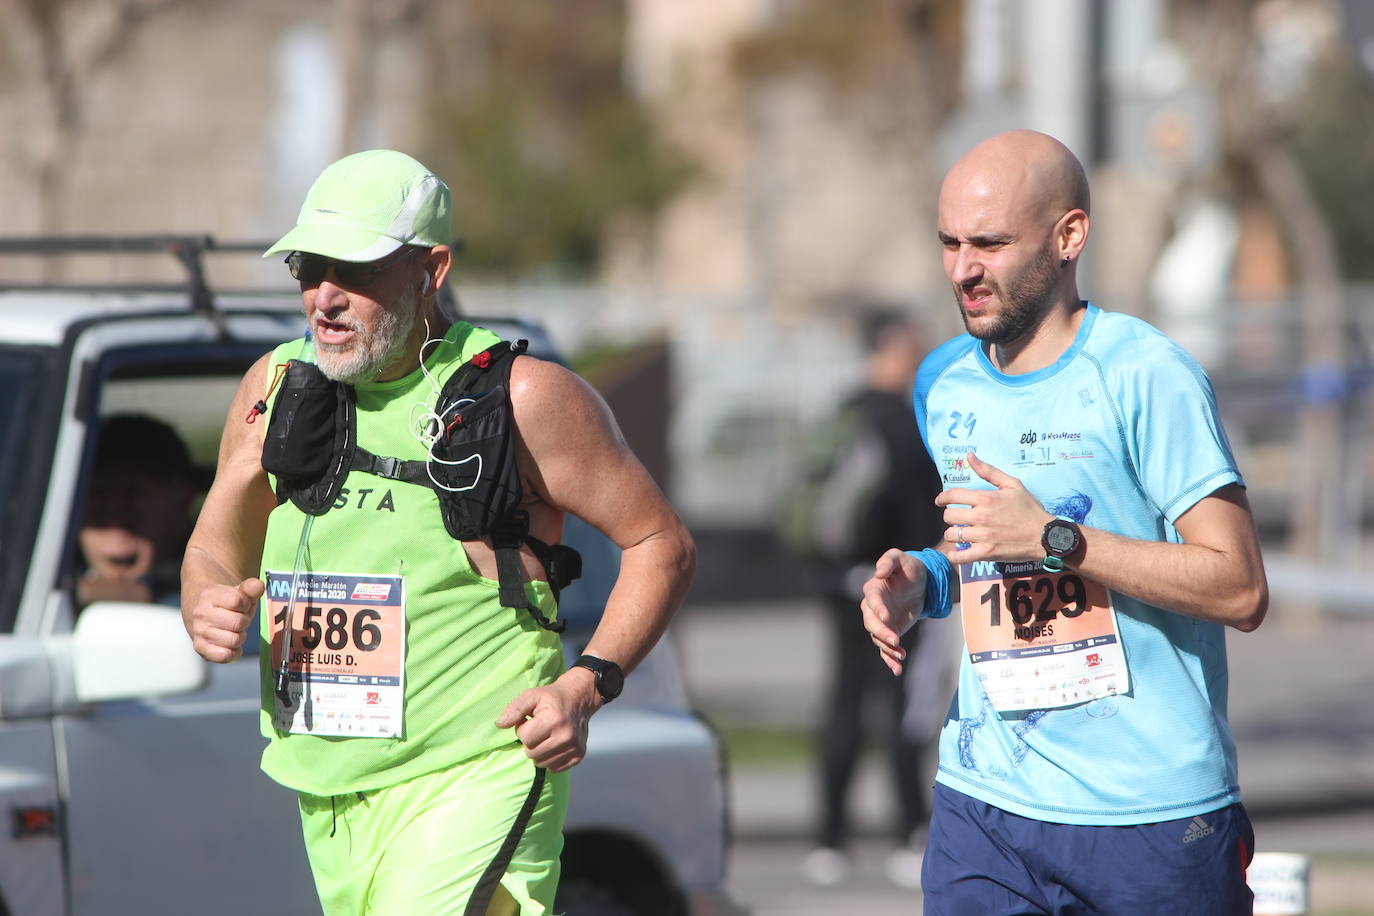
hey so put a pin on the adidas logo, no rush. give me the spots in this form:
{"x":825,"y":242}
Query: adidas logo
{"x":1197,"y":829}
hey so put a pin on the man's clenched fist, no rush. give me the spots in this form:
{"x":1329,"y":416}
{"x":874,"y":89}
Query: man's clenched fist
{"x":219,"y":619}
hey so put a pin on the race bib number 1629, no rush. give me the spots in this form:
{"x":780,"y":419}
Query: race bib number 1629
{"x":1040,"y":640}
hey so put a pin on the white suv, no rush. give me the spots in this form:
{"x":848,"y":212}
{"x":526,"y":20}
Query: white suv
{"x":129,"y":768}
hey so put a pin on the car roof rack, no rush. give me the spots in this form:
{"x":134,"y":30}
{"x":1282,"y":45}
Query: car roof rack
{"x":188,"y":250}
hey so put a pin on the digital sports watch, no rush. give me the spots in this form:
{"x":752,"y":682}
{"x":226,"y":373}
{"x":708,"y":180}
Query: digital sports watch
{"x":1060,"y":538}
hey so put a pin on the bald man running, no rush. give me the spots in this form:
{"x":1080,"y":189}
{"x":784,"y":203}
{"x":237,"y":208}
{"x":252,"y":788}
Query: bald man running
{"x":1100,"y":542}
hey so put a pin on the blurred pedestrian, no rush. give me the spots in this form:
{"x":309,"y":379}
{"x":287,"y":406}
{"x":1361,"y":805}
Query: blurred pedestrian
{"x":1101,"y":542}
{"x":869,"y":483}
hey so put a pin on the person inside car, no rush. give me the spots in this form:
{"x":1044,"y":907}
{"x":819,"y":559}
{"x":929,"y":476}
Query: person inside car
{"x":138,"y":513}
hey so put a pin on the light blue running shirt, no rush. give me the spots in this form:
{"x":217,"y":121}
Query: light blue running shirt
{"x":1121,"y":433}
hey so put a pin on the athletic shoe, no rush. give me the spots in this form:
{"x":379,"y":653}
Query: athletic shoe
{"x":825,"y":866}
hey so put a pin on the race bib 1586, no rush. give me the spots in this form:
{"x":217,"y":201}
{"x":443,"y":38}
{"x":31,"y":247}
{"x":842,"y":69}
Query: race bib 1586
{"x":347,"y":661}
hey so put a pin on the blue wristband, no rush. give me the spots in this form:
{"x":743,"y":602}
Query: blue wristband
{"x":938,"y":571}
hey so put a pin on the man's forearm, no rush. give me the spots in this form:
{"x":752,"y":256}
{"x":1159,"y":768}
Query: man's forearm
{"x":1225,"y":586}
{"x":199,"y":570}
{"x":654,"y":577}
{"x":226,"y":546}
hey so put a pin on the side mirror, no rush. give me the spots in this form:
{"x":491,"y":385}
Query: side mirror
{"x":125,"y":651}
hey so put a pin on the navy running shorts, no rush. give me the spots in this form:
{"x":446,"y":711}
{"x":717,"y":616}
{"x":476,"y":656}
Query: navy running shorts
{"x":981,"y":859}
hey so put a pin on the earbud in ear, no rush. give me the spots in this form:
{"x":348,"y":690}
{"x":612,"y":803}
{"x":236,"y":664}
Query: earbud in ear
{"x":427,"y":287}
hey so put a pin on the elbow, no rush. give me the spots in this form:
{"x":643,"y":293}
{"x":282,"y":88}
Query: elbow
{"x":686,"y":560}
{"x":1250,"y":605}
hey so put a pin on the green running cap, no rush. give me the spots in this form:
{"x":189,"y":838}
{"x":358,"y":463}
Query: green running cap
{"x":367,"y":205}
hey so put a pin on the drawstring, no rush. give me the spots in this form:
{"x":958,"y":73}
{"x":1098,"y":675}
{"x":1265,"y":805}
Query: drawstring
{"x":334,"y":813}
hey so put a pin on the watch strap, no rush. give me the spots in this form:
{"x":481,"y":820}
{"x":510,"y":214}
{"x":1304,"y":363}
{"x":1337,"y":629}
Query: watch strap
{"x":610,"y":679}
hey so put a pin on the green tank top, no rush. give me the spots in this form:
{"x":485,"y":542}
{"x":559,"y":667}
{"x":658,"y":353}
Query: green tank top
{"x":464,"y":656}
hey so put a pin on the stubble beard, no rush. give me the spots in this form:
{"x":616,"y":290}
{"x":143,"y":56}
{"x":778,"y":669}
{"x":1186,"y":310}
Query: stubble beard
{"x":1024,"y":301}
{"x":369,"y":356}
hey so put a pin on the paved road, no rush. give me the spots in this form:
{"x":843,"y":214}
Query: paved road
{"x":1302,"y":708}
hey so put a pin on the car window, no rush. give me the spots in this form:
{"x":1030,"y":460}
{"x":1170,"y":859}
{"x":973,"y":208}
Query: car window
{"x":24,"y":441}
{"x":193,"y":405}
{"x":150,"y":460}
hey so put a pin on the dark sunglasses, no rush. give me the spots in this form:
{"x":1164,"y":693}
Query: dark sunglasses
{"x":313,"y":268}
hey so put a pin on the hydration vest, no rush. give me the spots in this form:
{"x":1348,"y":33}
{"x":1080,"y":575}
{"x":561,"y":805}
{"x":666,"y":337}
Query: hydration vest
{"x":311,"y":446}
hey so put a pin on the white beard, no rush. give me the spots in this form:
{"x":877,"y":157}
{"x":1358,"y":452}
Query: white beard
{"x":365,"y":359}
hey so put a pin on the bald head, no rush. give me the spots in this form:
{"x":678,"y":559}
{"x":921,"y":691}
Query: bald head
{"x":1029,"y":171}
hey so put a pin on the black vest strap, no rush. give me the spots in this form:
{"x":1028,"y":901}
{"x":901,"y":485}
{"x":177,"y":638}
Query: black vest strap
{"x":507,"y":537}
{"x":390,"y":468}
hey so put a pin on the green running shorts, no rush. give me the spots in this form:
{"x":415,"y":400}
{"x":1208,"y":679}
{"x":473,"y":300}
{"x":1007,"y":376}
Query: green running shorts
{"x":481,"y":838}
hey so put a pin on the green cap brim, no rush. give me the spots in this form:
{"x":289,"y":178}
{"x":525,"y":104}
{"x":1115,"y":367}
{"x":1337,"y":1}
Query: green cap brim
{"x":336,"y":242}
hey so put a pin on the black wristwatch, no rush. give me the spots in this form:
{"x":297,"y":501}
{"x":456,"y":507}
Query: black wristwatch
{"x":610,"y":680}
{"x":1061,"y":538}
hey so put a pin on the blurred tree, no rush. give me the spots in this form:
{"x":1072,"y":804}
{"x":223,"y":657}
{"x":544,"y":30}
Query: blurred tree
{"x":890,"y":56}
{"x":538,"y":133}
{"x":1335,"y":149}
{"x":59,"y":47}
{"x":1257,"y":119}
{"x":881,"y":67}
{"x":361,"y":28}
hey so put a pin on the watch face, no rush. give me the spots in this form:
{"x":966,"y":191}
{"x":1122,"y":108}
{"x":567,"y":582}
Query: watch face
{"x":612,"y":682}
{"x":1061,"y":539}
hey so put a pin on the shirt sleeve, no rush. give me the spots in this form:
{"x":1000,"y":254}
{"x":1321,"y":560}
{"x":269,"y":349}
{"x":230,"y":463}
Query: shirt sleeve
{"x":1173,"y":430}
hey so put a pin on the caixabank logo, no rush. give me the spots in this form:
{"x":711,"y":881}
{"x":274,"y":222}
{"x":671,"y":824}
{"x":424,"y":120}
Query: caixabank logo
{"x":956,"y":468}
